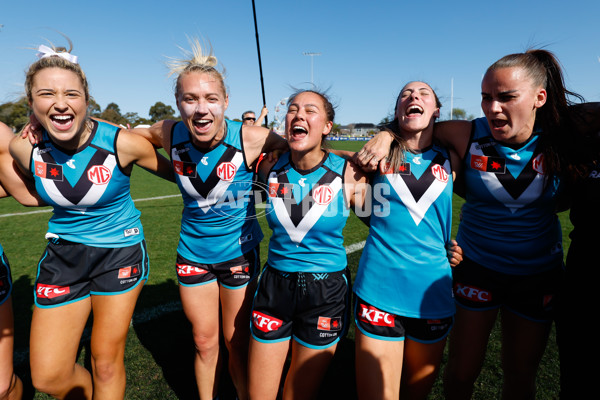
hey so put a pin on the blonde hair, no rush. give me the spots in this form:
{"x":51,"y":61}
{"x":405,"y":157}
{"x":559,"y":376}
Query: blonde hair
{"x":196,"y":60}
{"x":55,"y":62}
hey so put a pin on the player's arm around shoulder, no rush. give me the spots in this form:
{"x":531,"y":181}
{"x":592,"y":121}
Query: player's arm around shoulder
{"x":15,"y":177}
{"x":135,"y":149}
{"x":356,"y":184}
{"x":258,"y":140}
{"x":159,"y":134}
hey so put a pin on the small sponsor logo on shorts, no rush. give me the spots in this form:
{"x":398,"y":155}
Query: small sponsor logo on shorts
{"x":329,"y":324}
{"x":51,"y":291}
{"x":245,"y":239}
{"x":472,"y":293}
{"x":240,"y":269}
{"x":131,"y":232}
{"x":129,"y":272}
{"x":265,"y":322}
{"x":373,"y":316}
{"x":189,"y":270}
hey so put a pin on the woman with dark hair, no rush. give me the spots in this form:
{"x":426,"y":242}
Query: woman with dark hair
{"x":404,"y":307}
{"x":509,"y":231}
{"x":302,"y":300}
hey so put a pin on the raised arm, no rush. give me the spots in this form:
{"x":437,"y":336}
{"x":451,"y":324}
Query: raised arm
{"x":261,"y":117}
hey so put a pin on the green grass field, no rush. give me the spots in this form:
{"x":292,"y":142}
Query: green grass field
{"x":160,"y":350}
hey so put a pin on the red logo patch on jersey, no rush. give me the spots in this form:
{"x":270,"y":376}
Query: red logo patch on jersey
{"x":281,"y":190}
{"x":488,"y":164}
{"x":99,"y":175}
{"x":51,"y":291}
{"x":265,"y":322}
{"x":538,"y":164}
{"x":48,"y":171}
{"x":329,"y":324}
{"x":323,"y":195}
{"x":189,"y":270}
{"x":374,"y":316}
{"x":184,"y":168}
{"x":226,"y":171}
{"x":403,"y":169}
{"x":439,"y":173}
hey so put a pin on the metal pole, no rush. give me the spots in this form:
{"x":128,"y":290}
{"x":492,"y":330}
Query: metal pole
{"x":262,"y":84}
{"x":311,"y":54}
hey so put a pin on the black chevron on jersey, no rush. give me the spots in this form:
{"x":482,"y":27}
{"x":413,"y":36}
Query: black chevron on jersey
{"x":419,"y":186}
{"x":294,"y":209}
{"x":204,"y":187}
{"x":515,"y":186}
{"x":76,"y":193}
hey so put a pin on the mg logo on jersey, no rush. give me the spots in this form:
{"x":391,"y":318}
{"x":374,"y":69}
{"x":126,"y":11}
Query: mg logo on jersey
{"x":374,"y":316}
{"x":99,"y":175}
{"x":323,"y":195}
{"x":439,"y":173}
{"x":226,"y":171}
{"x":472,"y":293}
{"x":265,"y":322}
{"x":538,"y":164}
{"x":189,"y":270}
{"x":51,"y":291}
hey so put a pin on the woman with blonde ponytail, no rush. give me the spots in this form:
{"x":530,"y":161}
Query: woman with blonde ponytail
{"x":218,"y":253}
{"x":96,"y":260}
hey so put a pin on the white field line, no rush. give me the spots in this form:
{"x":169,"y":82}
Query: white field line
{"x":50,"y":210}
{"x":155,"y":312}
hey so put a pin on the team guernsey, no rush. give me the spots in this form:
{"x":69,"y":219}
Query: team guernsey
{"x":88,"y":191}
{"x":404,"y":269}
{"x":219,"y":218}
{"x":307,"y":212}
{"x":508,"y":222}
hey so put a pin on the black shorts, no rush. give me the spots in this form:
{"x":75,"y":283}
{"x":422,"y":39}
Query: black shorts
{"x":313,"y":308}
{"x":382,"y":325}
{"x":5,"y":279}
{"x":530,"y":296}
{"x":230,"y":274}
{"x":70,"y":272}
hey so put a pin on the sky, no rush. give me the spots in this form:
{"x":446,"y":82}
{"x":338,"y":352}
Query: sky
{"x":366,"y":51}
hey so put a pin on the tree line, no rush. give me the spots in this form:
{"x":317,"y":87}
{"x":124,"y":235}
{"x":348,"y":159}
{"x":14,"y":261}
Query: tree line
{"x":16,"y":114}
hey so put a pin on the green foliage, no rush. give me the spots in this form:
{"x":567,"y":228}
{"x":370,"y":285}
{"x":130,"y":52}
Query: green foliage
{"x":160,"y":111}
{"x":16,"y":114}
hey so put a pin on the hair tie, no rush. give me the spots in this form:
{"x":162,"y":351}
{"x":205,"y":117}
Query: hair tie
{"x":45,"y":51}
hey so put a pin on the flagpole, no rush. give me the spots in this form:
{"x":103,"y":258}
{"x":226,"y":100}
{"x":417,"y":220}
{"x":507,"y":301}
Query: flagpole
{"x":262,"y":84}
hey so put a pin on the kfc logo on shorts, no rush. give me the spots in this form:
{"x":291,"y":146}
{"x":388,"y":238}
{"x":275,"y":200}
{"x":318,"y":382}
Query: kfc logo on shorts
{"x":373,"y":316}
{"x":329,"y":324}
{"x":129,"y":272}
{"x":51,"y":291}
{"x":189,"y":270}
{"x":226,"y":171}
{"x":323,"y":195}
{"x":439,"y":173}
{"x":99,"y":175}
{"x":472,"y":293}
{"x":240,"y":269}
{"x":265,"y":322}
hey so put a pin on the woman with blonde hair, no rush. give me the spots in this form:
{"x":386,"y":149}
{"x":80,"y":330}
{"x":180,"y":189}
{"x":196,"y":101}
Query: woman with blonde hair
{"x":96,"y":259}
{"x":218,"y":253}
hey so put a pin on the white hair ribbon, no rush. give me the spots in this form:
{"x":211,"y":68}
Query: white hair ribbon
{"x":45,"y":51}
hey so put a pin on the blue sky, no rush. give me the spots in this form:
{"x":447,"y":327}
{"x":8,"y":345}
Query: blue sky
{"x":368,"y":50}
